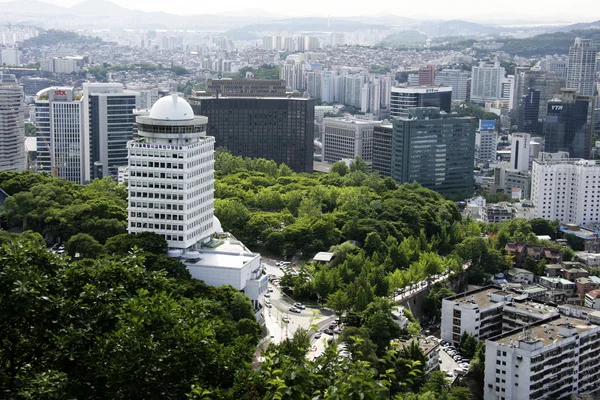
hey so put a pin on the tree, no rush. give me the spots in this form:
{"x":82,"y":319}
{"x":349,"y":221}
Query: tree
{"x":338,"y":301}
{"x":84,"y":245}
{"x":468,"y":345}
{"x":378,"y":321}
{"x":373,"y":243}
{"x":339,"y":168}
{"x":568,"y":254}
{"x":146,"y":241}
{"x":359,"y":165}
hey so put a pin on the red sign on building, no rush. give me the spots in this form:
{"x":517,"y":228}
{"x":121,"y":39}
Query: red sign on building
{"x":60,"y":93}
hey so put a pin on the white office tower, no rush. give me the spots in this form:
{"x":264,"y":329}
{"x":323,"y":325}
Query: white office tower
{"x":582,"y":66}
{"x":486,"y":145}
{"x":109,"y":126}
{"x":171,"y":175}
{"x":486,"y":82}
{"x":567,"y":190}
{"x":520,"y":150}
{"x":60,"y":124}
{"x":456,"y":79}
{"x":347,"y":138}
{"x":12,"y":125}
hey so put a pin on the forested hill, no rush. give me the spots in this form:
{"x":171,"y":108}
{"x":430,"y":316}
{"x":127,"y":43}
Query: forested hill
{"x":548,"y":43}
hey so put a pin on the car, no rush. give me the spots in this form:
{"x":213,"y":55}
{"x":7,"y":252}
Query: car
{"x":328,"y":331}
{"x":285,"y":319}
{"x":318,"y":335}
{"x":300,"y":306}
{"x":443,"y":342}
{"x":62,"y":251}
{"x":278,"y":264}
{"x":267,"y":294}
{"x":268,"y":305}
{"x":269,"y":289}
{"x":337,"y":330}
{"x":286,"y":263}
{"x":61,"y":247}
{"x":295,"y":310}
{"x":466,"y":360}
{"x":457,"y":358}
{"x":332,"y":326}
{"x":449,"y":375}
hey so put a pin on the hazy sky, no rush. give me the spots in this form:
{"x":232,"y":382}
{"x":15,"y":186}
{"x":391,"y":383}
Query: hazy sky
{"x":551,"y":10}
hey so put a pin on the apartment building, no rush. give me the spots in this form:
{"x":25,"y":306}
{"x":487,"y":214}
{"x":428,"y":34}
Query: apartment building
{"x":567,"y":190}
{"x":489,"y":311}
{"x":551,"y":358}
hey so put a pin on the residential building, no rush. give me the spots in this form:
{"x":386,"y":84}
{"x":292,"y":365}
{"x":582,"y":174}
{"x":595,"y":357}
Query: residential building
{"x":267,"y":42}
{"x":382,"y":143}
{"x":568,"y":124}
{"x":347,"y":138}
{"x":519,"y":275}
{"x":293,"y":75}
{"x":592,"y":299}
{"x":581,"y":73}
{"x":456,"y":79}
{"x":12,"y":125}
{"x":171,"y":175}
{"x":521,"y":250}
{"x":567,"y":190}
{"x":489,"y":311}
{"x":427,"y":75}
{"x":59,"y":117}
{"x":62,"y":65}
{"x":403,"y":98}
{"x":529,"y":112}
{"x":434,"y":149}
{"x":431,"y":350}
{"x":585,"y":285}
{"x":551,"y":358}
{"x":486,"y":82}
{"x":496,"y":213}
{"x":275,"y":128}
{"x":108,"y":127}
{"x":246,"y":87}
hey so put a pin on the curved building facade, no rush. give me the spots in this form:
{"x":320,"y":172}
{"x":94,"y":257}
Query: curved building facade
{"x":12,"y":125}
{"x":171,"y":175}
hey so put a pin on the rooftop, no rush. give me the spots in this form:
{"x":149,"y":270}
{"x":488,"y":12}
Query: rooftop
{"x":426,"y":345}
{"x":323,"y":256}
{"x":172,"y":108}
{"x":548,"y":331}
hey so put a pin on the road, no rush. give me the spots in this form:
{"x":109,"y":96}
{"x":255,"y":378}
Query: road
{"x":447,"y":364}
{"x":281,"y":303}
{"x":410,"y":291}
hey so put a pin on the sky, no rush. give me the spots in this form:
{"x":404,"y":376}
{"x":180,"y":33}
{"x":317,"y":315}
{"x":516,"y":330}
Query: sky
{"x":534,"y":10}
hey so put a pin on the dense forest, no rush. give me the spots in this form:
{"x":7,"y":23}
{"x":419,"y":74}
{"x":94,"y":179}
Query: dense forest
{"x":116,"y":318}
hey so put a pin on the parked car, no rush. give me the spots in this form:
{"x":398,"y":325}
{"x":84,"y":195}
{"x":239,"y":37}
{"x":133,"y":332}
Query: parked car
{"x":278,"y":264}
{"x":300,"y":306}
{"x":295,"y":310}
{"x":269,"y":289}
{"x":285,"y":319}
{"x":318,"y":335}
{"x":267,"y":295}
{"x":337,"y":330}
{"x":268,"y":305}
{"x":328,"y":331}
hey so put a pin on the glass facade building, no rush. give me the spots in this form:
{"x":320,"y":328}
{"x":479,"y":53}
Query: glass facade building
{"x":401,"y":99}
{"x":275,"y":128}
{"x":435,"y":150}
{"x":568,"y":125}
{"x":382,"y":145}
{"x":529,"y":112}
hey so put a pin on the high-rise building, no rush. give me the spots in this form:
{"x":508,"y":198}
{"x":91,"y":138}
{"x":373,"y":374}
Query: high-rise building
{"x":403,"y":98}
{"x":520,"y":151}
{"x":246,"y":87}
{"x":347,"y":138}
{"x":10,"y":56}
{"x":529,"y":112}
{"x":567,"y":190}
{"x":60,"y":126}
{"x":427,"y":75}
{"x":293,"y":75}
{"x":486,"y":141}
{"x":568,"y":124}
{"x":581,"y":72}
{"x":109,"y":126}
{"x":275,"y":128}
{"x":267,"y":42}
{"x":382,"y":145}
{"x":556,"y":65}
{"x":457,"y":80}
{"x":12,"y":125}
{"x":314,"y":83}
{"x":312,"y":43}
{"x":171,"y":175}
{"x":434,"y":149}
{"x":486,"y":82}
{"x":549,"y":85}
{"x":300,"y":43}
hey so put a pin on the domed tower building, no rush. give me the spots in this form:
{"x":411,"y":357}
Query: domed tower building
{"x":171,"y":175}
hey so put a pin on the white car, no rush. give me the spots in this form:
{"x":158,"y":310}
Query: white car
{"x":300,"y":306}
{"x":318,"y":335}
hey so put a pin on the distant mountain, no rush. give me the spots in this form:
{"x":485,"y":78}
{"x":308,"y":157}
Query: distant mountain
{"x":252,"y":12}
{"x":101,"y":8}
{"x":580,"y":26}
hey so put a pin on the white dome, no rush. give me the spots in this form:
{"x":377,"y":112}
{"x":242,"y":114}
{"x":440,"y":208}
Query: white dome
{"x":172,"y":108}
